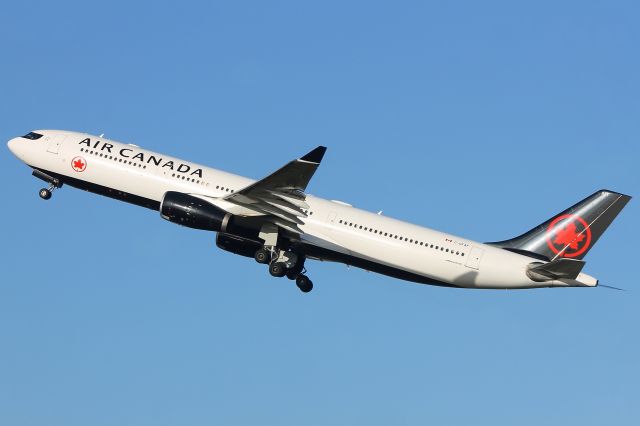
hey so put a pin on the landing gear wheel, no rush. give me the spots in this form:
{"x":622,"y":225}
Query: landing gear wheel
{"x":278,"y":269}
{"x":297,"y":269}
{"x":45,"y":194}
{"x":262,"y":256}
{"x":304,"y":283}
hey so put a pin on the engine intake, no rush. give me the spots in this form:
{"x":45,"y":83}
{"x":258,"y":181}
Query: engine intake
{"x":193,"y":212}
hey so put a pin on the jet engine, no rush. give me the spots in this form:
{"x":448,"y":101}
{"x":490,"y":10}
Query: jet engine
{"x":193,"y":212}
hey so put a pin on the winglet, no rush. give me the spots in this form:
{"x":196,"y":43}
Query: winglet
{"x":315,"y":156}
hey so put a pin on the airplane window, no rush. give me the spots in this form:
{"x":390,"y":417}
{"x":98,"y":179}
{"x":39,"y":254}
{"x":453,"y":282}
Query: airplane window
{"x":32,"y":136}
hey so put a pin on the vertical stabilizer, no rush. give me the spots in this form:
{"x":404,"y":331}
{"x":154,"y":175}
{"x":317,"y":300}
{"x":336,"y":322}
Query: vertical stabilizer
{"x":572,"y":233}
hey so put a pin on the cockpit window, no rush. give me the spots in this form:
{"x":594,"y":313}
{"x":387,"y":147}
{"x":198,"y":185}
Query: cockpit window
{"x":32,"y":136}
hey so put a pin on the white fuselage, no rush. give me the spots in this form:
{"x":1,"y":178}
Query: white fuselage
{"x":335,"y":226}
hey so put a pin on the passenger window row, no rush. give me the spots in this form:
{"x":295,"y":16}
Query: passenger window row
{"x":188,"y":179}
{"x":222,"y":188}
{"x":400,"y":238}
{"x":96,"y":153}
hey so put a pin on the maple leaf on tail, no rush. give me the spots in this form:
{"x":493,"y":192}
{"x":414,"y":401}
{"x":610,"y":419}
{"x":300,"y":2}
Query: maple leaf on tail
{"x":568,"y":236}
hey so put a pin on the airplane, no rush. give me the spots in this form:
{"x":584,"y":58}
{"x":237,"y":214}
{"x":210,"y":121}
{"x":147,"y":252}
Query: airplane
{"x":275,"y":221}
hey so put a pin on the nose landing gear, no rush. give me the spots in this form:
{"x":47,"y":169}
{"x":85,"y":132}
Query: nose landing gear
{"x":45,"y":193}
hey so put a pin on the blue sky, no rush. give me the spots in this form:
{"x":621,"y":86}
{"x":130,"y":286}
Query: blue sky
{"x":477,"y":118}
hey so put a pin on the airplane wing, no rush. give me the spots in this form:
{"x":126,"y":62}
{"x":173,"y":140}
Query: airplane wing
{"x":281,"y":195}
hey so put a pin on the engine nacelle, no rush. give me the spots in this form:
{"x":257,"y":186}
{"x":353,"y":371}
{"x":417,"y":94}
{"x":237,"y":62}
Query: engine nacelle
{"x":238,"y":245}
{"x":193,"y":212}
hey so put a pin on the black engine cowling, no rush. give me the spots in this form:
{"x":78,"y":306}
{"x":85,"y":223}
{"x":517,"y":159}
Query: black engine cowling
{"x":193,"y":212}
{"x":238,"y":245}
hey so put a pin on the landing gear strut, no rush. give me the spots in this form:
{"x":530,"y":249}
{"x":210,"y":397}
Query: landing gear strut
{"x":45,"y":193}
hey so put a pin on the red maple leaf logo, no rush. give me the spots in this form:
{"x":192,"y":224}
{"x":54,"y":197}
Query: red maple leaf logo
{"x":568,"y":236}
{"x":78,"y":164}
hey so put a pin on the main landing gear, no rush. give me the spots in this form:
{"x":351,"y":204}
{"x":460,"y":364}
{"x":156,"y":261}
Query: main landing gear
{"x":282,"y":262}
{"x":285,"y":264}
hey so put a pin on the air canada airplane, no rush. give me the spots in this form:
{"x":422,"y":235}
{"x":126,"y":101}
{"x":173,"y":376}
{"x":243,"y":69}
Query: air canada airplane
{"x":276,"y":222}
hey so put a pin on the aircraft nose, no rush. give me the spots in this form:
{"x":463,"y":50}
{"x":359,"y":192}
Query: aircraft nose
{"x":15,"y":147}
{"x":12,"y":145}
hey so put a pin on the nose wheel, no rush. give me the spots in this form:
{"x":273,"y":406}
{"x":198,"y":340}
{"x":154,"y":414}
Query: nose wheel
{"x":45,"y":193}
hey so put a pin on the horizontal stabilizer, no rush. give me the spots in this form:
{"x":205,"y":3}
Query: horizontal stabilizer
{"x":557,"y":269}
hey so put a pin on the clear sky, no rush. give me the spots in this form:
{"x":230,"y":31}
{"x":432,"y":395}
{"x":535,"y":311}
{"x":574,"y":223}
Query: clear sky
{"x":481,"y":119}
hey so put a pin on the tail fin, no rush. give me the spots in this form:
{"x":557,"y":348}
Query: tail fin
{"x":572,"y":233}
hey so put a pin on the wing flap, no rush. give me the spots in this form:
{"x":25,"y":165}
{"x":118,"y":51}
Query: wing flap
{"x":281,"y":195}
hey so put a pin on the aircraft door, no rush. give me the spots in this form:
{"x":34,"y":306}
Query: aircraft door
{"x":54,"y":144}
{"x":473,"y":261}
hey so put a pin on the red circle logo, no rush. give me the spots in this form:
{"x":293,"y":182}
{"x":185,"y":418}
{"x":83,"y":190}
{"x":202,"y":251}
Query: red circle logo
{"x":568,"y":235}
{"x":79,"y":164}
